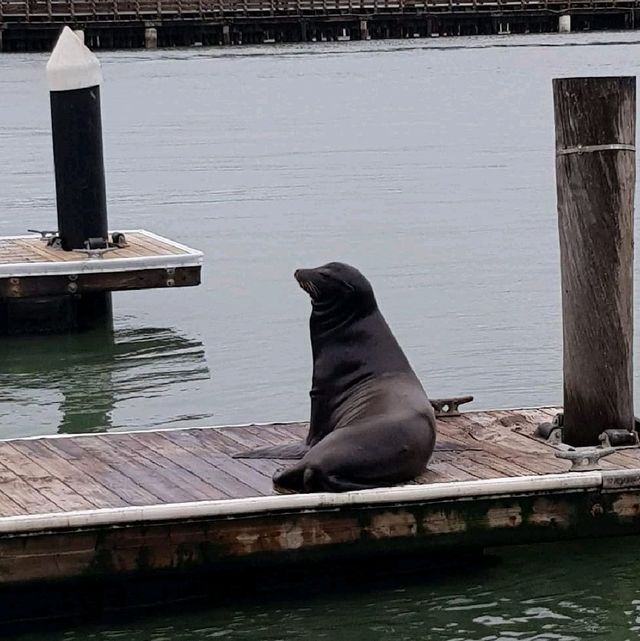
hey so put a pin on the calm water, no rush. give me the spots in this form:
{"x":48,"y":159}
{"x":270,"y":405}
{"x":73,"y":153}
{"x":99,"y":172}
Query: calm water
{"x":428,"y":164}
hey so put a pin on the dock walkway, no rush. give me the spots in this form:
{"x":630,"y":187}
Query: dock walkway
{"x":112,"y":470}
{"x":117,"y":504}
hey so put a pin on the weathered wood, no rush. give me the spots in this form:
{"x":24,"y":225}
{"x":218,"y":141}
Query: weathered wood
{"x":36,"y":286}
{"x":291,"y":537}
{"x":189,"y":466}
{"x":595,"y":175}
{"x":98,"y":472}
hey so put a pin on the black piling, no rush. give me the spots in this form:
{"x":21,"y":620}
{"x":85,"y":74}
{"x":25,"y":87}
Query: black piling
{"x":76,"y":125}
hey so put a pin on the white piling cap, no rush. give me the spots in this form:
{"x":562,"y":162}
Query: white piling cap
{"x":72,"y":65}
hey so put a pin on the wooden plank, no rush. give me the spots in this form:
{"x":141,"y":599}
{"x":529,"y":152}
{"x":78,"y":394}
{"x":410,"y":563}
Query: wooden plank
{"x":537,"y":458}
{"x":69,"y":473}
{"x":124,"y":486}
{"x":229,"y":442}
{"x":157,"y":248}
{"x":207,"y":449}
{"x":197,"y":462}
{"x":35,"y":250}
{"x":171,"y":460}
{"x":496,"y":458}
{"x":24,"y":495}
{"x":143,"y":472}
{"x":463,"y":470}
{"x":43,"y":479}
{"x":33,"y":286}
{"x":8,"y":507}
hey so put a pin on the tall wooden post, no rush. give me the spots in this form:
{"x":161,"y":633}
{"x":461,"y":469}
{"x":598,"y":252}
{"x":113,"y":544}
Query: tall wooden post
{"x":595,"y":122}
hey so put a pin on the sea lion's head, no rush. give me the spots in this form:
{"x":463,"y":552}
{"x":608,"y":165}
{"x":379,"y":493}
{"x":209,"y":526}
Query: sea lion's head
{"x":335,"y":283}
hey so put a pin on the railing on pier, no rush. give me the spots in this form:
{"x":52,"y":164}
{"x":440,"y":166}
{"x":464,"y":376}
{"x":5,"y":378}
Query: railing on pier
{"x":118,"y":10}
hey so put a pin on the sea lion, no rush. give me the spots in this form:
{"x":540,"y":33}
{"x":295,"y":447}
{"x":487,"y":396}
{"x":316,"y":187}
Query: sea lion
{"x":371,"y":422}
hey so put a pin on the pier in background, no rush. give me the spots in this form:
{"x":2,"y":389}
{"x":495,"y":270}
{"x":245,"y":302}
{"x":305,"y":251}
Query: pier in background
{"x":34,"y":25}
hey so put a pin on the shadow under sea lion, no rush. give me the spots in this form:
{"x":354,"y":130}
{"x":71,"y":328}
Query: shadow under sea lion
{"x":371,"y":422}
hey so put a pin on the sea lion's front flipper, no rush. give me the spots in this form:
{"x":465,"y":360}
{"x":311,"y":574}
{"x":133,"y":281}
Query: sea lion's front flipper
{"x":287,"y":451}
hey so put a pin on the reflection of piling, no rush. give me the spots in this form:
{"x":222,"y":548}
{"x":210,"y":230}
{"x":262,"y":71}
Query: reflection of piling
{"x":595,"y":174}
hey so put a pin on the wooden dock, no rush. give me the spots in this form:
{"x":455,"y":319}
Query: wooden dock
{"x":33,"y":25}
{"x":173,"y":501}
{"x":29,"y":267}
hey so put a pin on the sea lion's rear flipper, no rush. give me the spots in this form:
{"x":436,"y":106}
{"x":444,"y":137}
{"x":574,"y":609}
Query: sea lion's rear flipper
{"x":288,"y":451}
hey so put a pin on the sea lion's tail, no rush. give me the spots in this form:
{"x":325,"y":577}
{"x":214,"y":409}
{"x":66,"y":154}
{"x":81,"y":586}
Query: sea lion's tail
{"x":289,"y":451}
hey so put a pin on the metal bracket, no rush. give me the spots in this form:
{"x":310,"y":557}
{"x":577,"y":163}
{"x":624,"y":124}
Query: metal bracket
{"x":620,"y":439}
{"x":93,"y":247}
{"x":551,"y":432}
{"x":586,"y":458}
{"x":445,"y":407}
{"x":589,"y":149}
{"x":119,"y":240}
{"x":98,"y":247}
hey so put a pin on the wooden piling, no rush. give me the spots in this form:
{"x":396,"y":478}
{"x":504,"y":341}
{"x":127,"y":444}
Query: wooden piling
{"x":595,"y":176}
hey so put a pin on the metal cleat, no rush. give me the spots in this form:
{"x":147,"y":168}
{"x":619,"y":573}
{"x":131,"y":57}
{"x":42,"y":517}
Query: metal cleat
{"x":446,"y":407}
{"x":95,"y":254}
{"x":584,"y":459}
{"x":44,"y":234}
{"x":50,"y":237}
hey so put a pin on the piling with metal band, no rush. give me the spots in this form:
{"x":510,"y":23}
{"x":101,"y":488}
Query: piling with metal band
{"x":595,"y":178}
{"x":74,"y":77}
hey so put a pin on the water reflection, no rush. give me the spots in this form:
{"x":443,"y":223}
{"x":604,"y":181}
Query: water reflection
{"x":77,"y":381}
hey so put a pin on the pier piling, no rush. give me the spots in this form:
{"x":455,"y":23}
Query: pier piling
{"x":564,"y":23}
{"x":595,"y":177}
{"x":151,"y":38}
{"x":74,"y":78}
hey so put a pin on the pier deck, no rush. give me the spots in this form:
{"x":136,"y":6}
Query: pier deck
{"x":123,"y":504}
{"x":30,"y":267}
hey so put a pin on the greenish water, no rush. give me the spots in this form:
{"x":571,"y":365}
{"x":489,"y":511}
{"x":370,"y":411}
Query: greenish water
{"x":560,"y":592}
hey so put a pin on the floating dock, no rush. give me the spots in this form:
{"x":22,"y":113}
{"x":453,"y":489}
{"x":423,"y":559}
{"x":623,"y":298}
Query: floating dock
{"x":30,"y":267}
{"x":120,"y":505}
